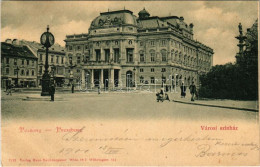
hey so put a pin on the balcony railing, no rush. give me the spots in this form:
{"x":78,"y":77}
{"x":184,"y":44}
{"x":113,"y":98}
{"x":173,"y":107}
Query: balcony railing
{"x":101,"y":62}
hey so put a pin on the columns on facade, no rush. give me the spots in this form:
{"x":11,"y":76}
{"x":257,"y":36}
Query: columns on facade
{"x":102,"y":54}
{"x":83,"y":78}
{"x":92,"y":77}
{"x":135,"y":52}
{"x":119,"y":78}
{"x":111,"y":54}
{"x":101,"y":78}
{"x":111,"y":78}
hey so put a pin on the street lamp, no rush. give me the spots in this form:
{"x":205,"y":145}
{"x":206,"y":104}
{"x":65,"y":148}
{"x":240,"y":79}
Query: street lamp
{"x":17,"y":71}
{"x":53,"y":69}
{"x":47,"y":40}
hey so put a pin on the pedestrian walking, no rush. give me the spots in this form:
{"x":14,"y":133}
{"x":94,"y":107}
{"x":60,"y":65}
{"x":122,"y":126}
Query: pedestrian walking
{"x":192,"y":90}
{"x":52,"y":92}
{"x":98,"y":89}
{"x":183,"y":90}
{"x":72,"y":88}
{"x":9,"y":90}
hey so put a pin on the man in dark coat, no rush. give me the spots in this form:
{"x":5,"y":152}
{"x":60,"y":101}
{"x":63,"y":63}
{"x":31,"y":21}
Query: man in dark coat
{"x":72,"y":88}
{"x":52,"y":91}
{"x":183,"y":90}
{"x":192,"y":90}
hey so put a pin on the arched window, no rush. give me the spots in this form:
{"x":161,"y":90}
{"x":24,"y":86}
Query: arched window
{"x":32,"y":72}
{"x":164,"y":55}
{"x":27,"y":73}
{"x":22,"y":72}
{"x":152,"y":55}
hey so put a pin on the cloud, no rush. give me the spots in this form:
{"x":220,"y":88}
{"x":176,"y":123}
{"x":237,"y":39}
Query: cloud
{"x":215,"y":22}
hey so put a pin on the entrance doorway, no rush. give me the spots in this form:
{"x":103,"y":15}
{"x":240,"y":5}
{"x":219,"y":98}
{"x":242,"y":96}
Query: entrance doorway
{"x":129,"y":79}
{"x":96,"y":77}
{"x":105,"y":77}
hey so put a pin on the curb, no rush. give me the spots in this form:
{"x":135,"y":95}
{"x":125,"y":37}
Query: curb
{"x":208,"y":105}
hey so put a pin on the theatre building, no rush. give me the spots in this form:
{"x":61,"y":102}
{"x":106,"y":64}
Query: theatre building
{"x":123,"y":50}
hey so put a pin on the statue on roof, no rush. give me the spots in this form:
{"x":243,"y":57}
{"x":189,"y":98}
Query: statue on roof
{"x":240,"y":29}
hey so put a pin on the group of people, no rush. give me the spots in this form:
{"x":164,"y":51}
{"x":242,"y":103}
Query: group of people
{"x":9,"y":89}
{"x":193,"y":91}
{"x":164,"y":96}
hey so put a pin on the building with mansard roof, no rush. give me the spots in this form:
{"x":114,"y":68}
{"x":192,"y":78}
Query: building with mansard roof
{"x":57,"y":61}
{"x":123,"y":50}
{"x":18,"y":65}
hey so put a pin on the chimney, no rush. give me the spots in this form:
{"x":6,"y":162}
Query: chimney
{"x":15,"y":42}
{"x":8,"y":41}
{"x":181,"y":19}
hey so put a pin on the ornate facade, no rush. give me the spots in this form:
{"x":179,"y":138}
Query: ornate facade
{"x":123,"y":50}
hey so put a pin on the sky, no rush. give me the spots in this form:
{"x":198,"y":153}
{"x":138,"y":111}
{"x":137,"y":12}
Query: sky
{"x":215,"y":23}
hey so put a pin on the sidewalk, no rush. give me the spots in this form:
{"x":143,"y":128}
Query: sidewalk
{"x":221,"y":103}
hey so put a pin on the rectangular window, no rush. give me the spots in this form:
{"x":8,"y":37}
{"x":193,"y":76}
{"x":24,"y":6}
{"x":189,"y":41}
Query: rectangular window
{"x":7,"y":60}
{"x":163,"y":70}
{"x":86,"y":47}
{"x":7,"y":71}
{"x":78,"y":70}
{"x":141,"y":79}
{"x":15,"y":61}
{"x":70,"y":47}
{"x":40,"y":70}
{"x":152,"y":69}
{"x":98,"y":55}
{"x":15,"y":71}
{"x":40,"y":57}
{"x":78,"y":60}
{"x":28,"y":62}
{"x":62,"y":60}
{"x":163,"y":43}
{"x":152,"y":80}
{"x":107,"y":55}
{"x":152,"y":57}
{"x":164,"y":79}
{"x":152,"y":43}
{"x":130,"y":58}
{"x":79,"y":48}
{"x":57,"y":59}
{"x":32,"y":62}
{"x":141,"y":43}
{"x":141,"y":70}
{"x":52,"y":57}
{"x":116,"y":55}
{"x":141,"y":57}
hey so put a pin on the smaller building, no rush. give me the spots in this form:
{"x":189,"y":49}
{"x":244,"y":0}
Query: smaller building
{"x":18,"y":65}
{"x":56,"y":61}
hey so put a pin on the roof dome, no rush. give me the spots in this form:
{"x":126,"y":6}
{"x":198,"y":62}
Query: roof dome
{"x":143,"y":14}
{"x":114,"y":18}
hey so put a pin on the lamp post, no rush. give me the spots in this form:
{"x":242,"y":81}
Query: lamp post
{"x":53,"y":69}
{"x":17,"y":71}
{"x":47,"y":40}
